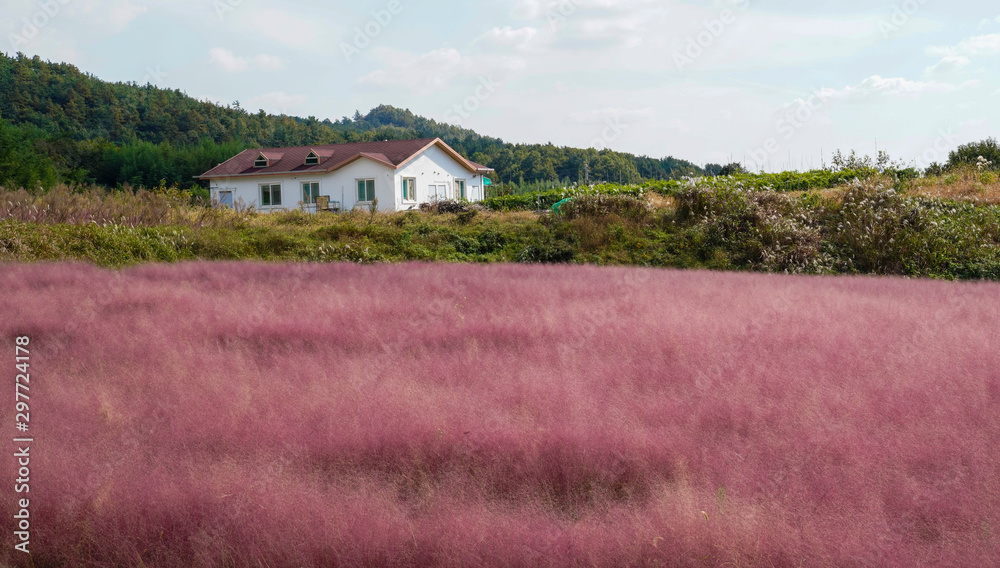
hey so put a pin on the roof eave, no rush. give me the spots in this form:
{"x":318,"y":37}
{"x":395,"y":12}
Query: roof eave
{"x":327,"y":170}
{"x":447,"y":150}
{"x":355,"y":158}
{"x":260,"y":174}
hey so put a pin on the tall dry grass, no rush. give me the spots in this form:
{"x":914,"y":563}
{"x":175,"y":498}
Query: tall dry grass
{"x":64,"y":204}
{"x":425,"y":415}
{"x":962,"y":184}
{"x":965,"y":184}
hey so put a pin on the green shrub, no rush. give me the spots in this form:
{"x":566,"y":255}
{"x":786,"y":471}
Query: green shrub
{"x":970,"y":154}
{"x":294,"y":217}
{"x":491,"y":241}
{"x":274,"y":244}
{"x":873,"y":228}
{"x":877,"y":230}
{"x":607,"y":206}
{"x":549,"y":250}
{"x":759,"y":230}
{"x":464,"y":245}
{"x":544,"y":200}
{"x":342,"y":230}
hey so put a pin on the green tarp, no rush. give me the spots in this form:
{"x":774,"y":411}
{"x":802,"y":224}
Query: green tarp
{"x":556,"y":206}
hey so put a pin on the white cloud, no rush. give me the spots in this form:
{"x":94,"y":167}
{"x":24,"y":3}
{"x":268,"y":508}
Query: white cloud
{"x":947,"y":66}
{"x":268,"y":62}
{"x":603,"y":37}
{"x":277,"y":102}
{"x":607,"y":24}
{"x":48,"y":43}
{"x":554,"y":9}
{"x":282,"y":27}
{"x":520,"y":38}
{"x":983,"y":45}
{"x":526,"y":9}
{"x":886,"y":86}
{"x":601,"y":115}
{"x":121,"y":14}
{"x":581,"y":22}
{"x":70,"y":18}
{"x":227,"y":60}
{"x":424,"y":74}
{"x":231,"y":63}
{"x":435,"y":70}
{"x":622,"y":26}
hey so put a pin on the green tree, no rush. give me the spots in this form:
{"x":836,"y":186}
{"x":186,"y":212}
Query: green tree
{"x":969,"y":154}
{"x":21,"y":164}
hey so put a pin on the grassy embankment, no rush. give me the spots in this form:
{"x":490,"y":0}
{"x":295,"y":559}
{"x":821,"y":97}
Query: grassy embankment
{"x":947,"y":227}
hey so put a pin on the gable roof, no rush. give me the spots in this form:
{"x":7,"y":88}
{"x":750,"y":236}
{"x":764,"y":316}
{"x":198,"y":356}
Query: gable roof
{"x":332,"y":157}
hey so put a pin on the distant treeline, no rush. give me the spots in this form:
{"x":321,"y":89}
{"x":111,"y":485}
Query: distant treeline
{"x":58,"y":124}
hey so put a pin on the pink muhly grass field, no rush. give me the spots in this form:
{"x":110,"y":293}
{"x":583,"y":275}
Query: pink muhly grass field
{"x":458,"y":415}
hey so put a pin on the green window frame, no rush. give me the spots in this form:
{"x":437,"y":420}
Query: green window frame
{"x":366,"y":190}
{"x":270,"y":194}
{"x":310,"y":191}
{"x":409,"y":189}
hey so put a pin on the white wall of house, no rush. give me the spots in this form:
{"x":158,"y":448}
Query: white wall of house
{"x":434,"y":170}
{"x":342,"y":185}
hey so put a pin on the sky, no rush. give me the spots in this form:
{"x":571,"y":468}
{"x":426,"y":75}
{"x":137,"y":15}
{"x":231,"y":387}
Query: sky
{"x":773,"y":84}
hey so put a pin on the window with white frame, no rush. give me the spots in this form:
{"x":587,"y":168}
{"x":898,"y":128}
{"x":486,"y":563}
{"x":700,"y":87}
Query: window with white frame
{"x":261,"y":161}
{"x":409,"y":189}
{"x":366,"y":190}
{"x":270,"y":194}
{"x":312,"y":159}
{"x":438,"y":190}
{"x":310,"y":191}
{"x":460,"y":189}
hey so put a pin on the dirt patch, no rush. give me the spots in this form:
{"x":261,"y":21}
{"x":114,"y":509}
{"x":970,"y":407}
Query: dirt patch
{"x":968,"y":186}
{"x":659,"y":201}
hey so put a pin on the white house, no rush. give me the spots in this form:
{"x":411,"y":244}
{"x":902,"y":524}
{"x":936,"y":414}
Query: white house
{"x":401,"y":174}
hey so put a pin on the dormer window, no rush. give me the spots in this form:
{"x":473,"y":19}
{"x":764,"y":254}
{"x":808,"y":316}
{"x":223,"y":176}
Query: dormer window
{"x":312,"y":159}
{"x":261,"y":161}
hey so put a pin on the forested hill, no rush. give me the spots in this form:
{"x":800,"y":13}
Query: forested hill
{"x":58,"y":124}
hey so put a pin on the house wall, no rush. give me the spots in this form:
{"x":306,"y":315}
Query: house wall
{"x":433,"y":166}
{"x":340,"y":185}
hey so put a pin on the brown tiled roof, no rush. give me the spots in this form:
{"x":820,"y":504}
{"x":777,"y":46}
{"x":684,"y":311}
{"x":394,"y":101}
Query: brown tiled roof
{"x":392,"y":153}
